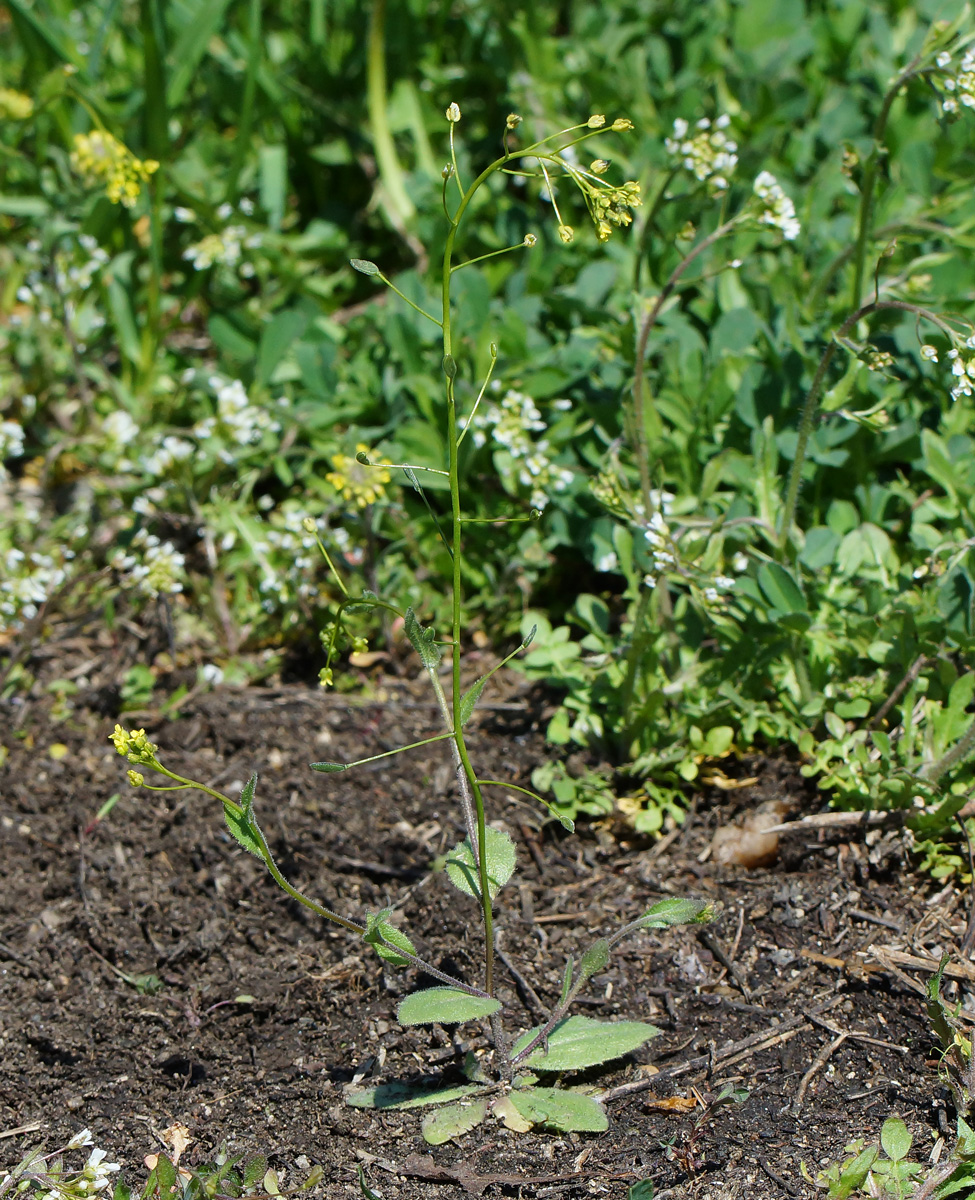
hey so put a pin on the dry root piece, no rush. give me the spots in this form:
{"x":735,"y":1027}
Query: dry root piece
{"x":747,"y":843}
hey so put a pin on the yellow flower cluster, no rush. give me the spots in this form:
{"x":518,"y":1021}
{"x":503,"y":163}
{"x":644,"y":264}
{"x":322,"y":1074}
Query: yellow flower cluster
{"x":359,"y":483}
{"x":103,"y":160}
{"x":134,"y":746}
{"x":15,"y":106}
{"x":609,"y":206}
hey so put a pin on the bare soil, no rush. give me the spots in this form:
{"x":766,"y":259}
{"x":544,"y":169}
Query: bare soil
{"x":159,"y":887}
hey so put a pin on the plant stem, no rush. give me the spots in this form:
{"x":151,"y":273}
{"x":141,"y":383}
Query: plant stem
{"x":245,"y":127}
{"x":869,"y":181}
{"x":811,"y":405}
{"x":640,"y":447}
{"x":387,"y":160}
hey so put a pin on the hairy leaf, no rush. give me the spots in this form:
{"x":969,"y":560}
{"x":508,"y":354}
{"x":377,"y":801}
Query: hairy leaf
{"x":422,"y":640}
{"x":406,"y":1095}
{"x":567,"y":1111}
{"x":452,"y":1121}
{"x":377,"y":927}
{"x":676,"y":912}
{"x":242,"y":825}
{"x":501,"y":857}
{"x":445,"y":1006}
{"x":578,"y":1042}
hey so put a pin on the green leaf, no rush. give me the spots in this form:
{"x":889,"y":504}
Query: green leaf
{"x":462,"y":870}
{"x":641,"y":1191}
{"x":365,"y":1189}
{"x":406,"y":1095}
{"x":166,"y":1175}
{"x":665,"y":913}
{"x":378,"y":927}
{"x":453,"y":1121}
{"x":445,"y":1006}
{"x":329,"y":768}
{"x":254,"y":1170}
{"x":190,"y":47}
{"x":468,"y":702}
{"x":242,"y":825}
{"x":578,"y":1042}
{"x":23,"y":206}
{"x":595,"y":958}
{"x":780,"y":589}
{"x":276,"y":339}
{"x":895,"y":1138}
{"x":422,"y":641}
{"x":273,"y":182}
{"x":566,"y":1111}
{"x":854,"y":1174}
{"x":364,"y":266}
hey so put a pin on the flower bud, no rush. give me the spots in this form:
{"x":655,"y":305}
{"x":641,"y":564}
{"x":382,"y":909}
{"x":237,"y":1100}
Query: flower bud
{"x":530,"y":239}
{"x":622,"y":124}
{"x":453,"y":114}
{"x":566,"y":234}
{"x":596,"y":121}
{"x":512,"y":121}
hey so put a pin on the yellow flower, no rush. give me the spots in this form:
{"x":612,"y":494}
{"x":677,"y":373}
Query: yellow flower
{"x":359,"y":483}
{"x":15,"y":105}
{"x":104,"y":161}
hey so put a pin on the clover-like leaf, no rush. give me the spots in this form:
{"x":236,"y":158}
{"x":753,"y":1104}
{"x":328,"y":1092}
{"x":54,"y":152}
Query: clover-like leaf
{"x":578,"y":1042}
{"x":453,"y":1120}
{"x":501,"y":857}
{"x":444,"y":1006}
{"x":567,"y":1111}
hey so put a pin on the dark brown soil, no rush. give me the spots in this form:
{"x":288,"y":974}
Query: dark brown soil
{"x":160,"y":887}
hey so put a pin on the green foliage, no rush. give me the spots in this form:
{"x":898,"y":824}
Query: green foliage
{"x":444,"y":1006}
{"x":461,"y":864}
{"x":578,"y":1042}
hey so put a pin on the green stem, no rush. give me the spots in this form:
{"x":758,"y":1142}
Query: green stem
{"x":245,"y":127}
{"x":869,"y":181}
{"x":640,"y":395}
{"x":387,"y":160}
{"x":811,"y":406}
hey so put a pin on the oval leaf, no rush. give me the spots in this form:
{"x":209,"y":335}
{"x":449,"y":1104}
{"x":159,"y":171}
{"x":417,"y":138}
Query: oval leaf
{"x":595,"y":958}
{"x":445,"y":1006}
{"x":676,"y":912}
{"x":421,"y":640}
{"x":379,"y":930}
{"x":462,"y":870}
{"x":452,"y":1121}
{"x":567,"y":1111}
{"x":405,"y":1095}
{"x":328,"y":768}
{"x":363,"y":266}
{"x":579,"y":1042}
{"x":242,"y":825}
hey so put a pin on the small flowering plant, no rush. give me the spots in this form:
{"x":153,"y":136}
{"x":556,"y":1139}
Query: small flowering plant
{"x":485,"y":861}
{"x":47,"y":1177}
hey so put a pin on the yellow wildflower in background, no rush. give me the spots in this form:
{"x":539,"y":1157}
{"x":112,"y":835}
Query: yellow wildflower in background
{"x":15,"y":105}
{"x":103,"y":160}
{"x":358,"y":483}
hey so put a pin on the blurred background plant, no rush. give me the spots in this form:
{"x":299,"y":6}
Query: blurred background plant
{"x":189,"y":367}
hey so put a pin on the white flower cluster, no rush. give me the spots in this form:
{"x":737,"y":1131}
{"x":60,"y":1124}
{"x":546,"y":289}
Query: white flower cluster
{"x":963,"y":369}
{"x":707,"y":151}
{"x":665,"y":556}
{"x":236,"y":417}
{"x":960,"y":84}
{"x":56,"y":1183}
{"x":11,"y":443}
{"x":288,"y":543}
{"x":227,"y":246}
{"x":27,"y":581}
{"x":778,"y":211}
{"x":154,"y":566}
{"x":61,"y":286}
{"x":235,"y":424}
{"x":511,"y":423}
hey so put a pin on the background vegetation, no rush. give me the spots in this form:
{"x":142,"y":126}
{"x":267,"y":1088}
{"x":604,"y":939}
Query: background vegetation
{"x":189,"y":366}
